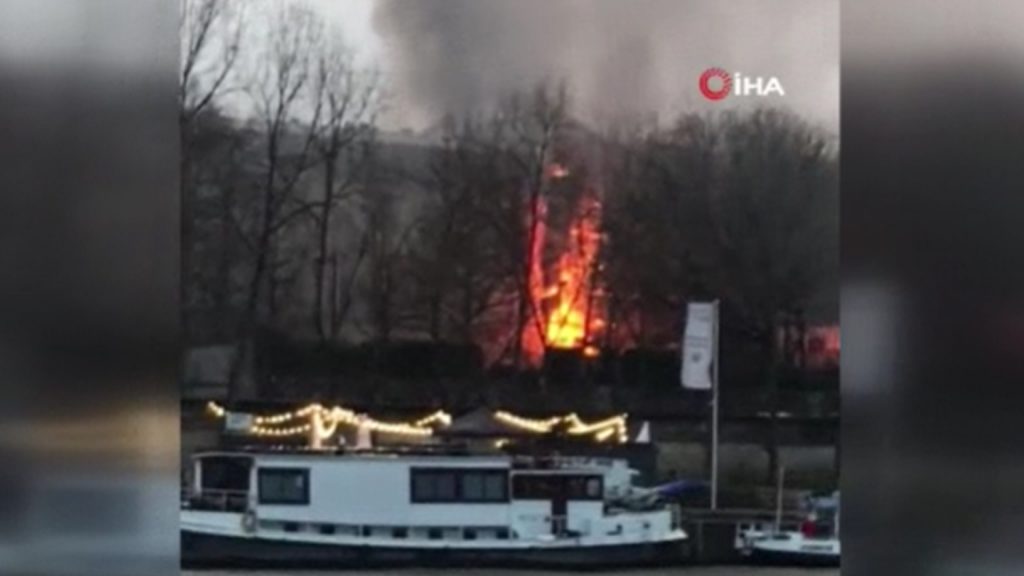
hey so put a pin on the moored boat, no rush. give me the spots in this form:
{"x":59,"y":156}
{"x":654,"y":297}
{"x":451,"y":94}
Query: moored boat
{"x":815,"y":542}
{"x":415,"y":507}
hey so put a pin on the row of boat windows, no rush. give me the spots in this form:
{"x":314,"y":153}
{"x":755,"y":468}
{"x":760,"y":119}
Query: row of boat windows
{"x":396,"y":532}
{"x":433,"y":485}
{"x":446,"y":485}
{"x":473,"y":485}
{"x":291,"y":486}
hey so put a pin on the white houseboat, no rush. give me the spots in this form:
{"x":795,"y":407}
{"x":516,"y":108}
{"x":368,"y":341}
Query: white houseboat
{"x":331,"y":508}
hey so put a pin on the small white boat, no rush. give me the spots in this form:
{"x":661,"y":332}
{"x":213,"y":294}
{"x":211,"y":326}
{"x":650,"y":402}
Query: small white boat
{"x":816,"y":542}
{"x":337,"y":508}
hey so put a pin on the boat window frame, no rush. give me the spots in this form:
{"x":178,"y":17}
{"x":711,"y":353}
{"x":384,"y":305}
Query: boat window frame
{"x":261,"y":471}
{"x":558,"y":486}
{"x":459,"y":475}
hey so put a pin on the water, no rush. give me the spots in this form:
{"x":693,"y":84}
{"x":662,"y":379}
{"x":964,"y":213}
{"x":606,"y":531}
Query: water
{"x":687,"y":571}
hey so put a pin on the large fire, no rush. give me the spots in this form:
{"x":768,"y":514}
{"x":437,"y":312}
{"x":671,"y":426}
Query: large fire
{"x":567,"y":294}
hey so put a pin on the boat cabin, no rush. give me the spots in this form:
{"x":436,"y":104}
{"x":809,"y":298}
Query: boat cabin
{"x":420,"y":498}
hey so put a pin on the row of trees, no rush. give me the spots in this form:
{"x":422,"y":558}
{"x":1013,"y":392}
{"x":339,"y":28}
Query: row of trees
{"x":262,"y":186}
{"x":299,"y":216}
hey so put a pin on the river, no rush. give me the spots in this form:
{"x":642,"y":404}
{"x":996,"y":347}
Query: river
{"x":688,"y":571}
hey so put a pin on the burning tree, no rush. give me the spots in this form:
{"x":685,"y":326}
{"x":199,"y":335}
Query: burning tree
{"x":509,"y":247}
{"x":535,"y":125}
{"x":557,"y":246}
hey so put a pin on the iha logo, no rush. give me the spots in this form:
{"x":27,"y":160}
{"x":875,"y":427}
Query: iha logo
{"x":716,"y":84}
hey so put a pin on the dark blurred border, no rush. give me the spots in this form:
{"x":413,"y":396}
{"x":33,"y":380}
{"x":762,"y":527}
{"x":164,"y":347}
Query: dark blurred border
{"x":933,"y":314}
{"x":933,"y":294}
{"x":89,"y":290}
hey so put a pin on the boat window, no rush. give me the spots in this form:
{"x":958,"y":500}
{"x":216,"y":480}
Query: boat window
{"x":535,"y":487}
{"x":550,"y":486}
{"x":224,"y":473}
{"x":440,"y":485}
{"x":283,"y":485}
{"x":496,"y":487}
{"x":484,"y":486}
{"x":584,"y":487}
{"x":473,"y":486}
{"x":433,"y":486}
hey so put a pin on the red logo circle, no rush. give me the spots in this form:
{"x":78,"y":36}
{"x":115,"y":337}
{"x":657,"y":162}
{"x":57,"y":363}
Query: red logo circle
{"x":705,"y":84}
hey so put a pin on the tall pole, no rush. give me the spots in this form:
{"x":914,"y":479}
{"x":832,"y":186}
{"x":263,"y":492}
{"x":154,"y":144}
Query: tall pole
{"x":714,"y":416}
{"x":778,"y":498}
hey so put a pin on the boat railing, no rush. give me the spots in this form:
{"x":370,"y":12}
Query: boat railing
{"x":218,"y":500}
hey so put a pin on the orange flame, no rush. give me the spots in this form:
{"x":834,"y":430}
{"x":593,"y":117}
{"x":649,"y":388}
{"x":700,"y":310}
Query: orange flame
{"x":566,"y":304}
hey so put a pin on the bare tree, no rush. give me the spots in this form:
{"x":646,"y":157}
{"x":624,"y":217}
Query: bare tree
{"x":741,"y":206}
{"x":350,"y":104}
{"x":288,"y":110}
{"x":387,"y":237}
{"x":774,"y":215}
{"x":534,"y":125}
{"x":459,"y":265}
{"x":657,"y":237}
{"x":217,"y":251}
{"x":211,"y":39}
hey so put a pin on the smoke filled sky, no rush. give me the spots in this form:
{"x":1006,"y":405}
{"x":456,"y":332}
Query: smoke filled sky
{"x":638,"y":57}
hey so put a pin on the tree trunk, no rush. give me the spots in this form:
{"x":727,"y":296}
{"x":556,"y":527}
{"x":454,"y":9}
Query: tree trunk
{"x":525,"y":307}
{"x":248,"y":320}
{"x":223,"y":295}
{"x":320,"y":263}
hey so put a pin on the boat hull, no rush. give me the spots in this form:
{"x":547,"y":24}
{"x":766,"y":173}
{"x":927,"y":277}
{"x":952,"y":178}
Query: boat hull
{"x":786,"y":553}
{"x":786,"y":558}
{"x":211,"y":550}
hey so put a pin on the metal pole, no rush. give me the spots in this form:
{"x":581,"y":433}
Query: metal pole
{"x":778,"y":498}
{"x":714,"y":418}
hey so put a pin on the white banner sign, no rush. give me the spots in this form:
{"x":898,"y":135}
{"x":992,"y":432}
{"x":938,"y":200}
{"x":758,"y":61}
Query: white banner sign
{"x":698,"y":345}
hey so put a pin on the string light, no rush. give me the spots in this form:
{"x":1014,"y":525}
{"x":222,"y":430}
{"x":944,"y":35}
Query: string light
{"x":442,"y":417}
{"x":324,"y":423}
{"x":602,"y":429}
{"x":579,"y":427}
{"x":280,"y":432}
{"x":538,"y":426}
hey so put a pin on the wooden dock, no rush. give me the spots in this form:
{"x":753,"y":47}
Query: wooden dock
{"x":712,"y":532}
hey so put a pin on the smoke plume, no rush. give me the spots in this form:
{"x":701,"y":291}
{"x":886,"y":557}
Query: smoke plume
{"x":635,"y":57}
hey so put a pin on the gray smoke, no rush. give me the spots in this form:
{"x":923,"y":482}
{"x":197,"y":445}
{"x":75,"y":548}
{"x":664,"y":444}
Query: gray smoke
{"x":618,"y":56}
